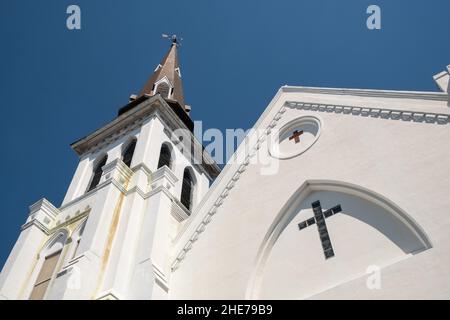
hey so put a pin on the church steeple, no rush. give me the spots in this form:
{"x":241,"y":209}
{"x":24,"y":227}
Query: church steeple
{"x":166,"y":79}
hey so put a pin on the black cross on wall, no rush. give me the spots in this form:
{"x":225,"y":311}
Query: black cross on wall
{"x":319,"y":219}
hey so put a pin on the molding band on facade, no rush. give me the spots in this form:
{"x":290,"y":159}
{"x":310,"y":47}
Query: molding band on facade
{"x":426,"y":117}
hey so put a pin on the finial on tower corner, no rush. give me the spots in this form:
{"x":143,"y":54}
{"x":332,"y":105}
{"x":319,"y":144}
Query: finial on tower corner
{"x":442,"y":79}
{"x":175,"y":40}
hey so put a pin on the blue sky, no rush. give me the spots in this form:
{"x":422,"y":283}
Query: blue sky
{"x":58,"y":85}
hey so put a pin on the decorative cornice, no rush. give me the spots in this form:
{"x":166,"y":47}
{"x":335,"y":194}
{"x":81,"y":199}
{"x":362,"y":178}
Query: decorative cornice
{"x":36,"y":223}
{"x":164,"y":172}
{"x":158,"y":189}
{"x":117,"y":164}
{"x":117,"y":184}
{"x":144,"y":195}
{"x":42,"y":214}
{"x":117,"y":127}
{"x":58,"y":224}
{"x":113,"y":137}
{"x":393,"y":114}
{"x":153,"y":106}
{"x":138,"y":190}
{"x":142,"y":166}
{"x":46,"y":206}
{"x":423,"y":95}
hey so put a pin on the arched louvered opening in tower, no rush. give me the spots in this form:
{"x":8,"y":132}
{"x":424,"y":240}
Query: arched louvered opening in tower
{"x":97,"y":173}
{"x":187,"y":189}
{"x":163,"y":89}
{"x":165,"y":156}
{"x":128,"y":152}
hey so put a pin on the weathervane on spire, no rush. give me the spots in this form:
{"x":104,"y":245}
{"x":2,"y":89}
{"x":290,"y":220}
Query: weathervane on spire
{"x":175,"y":40}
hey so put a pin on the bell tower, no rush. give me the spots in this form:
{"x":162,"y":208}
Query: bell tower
{"x":138,"y":179}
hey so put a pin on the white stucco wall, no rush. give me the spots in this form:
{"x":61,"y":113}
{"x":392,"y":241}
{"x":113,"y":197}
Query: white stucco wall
{"x":402,"y":160}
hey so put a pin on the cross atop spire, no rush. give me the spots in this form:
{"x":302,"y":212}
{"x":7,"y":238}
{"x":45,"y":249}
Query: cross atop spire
{"x":166,"y":79}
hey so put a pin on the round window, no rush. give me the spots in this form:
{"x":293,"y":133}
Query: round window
{"x":295,"y":137}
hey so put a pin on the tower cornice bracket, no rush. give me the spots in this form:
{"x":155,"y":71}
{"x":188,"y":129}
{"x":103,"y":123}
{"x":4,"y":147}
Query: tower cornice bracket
{"x":442,"y":80}
{"x":118,"y":171}
{"x":164,"y":177}
{"x":42,"y":214}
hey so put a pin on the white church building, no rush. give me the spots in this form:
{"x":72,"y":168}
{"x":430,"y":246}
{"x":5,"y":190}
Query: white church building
{"x":335,"y":194}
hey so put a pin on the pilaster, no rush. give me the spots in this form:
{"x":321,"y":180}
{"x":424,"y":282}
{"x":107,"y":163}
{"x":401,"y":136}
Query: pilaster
{"x":20,"y":264}
{"x":95,"y":248}
{"x":152,"y":268}
{"x":123,"y":256}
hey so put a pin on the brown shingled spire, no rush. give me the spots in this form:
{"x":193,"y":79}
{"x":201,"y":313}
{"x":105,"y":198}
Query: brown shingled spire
{"x":166,"y":79}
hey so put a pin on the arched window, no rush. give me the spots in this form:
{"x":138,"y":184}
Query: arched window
{"x":51,"y":256}
{"x":128,"y":153}
{"x":163,"y":89}
{"x":165,"y":156}
{"x":97,"y":173}
{"x":187,"y":189}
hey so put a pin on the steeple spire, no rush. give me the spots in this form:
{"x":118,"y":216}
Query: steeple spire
{"x":166,"y":79}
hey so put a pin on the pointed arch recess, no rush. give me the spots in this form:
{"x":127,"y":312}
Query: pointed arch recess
{"x":286,"y":213}
{"x":54,"y":239}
